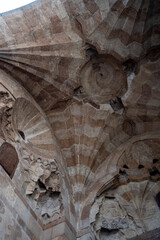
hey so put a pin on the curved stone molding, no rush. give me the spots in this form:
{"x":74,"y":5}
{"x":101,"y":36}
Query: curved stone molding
{"x":103,"y":79}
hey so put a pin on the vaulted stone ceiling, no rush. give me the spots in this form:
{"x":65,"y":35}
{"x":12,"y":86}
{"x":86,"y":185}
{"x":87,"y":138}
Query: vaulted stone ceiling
{"x":91,"y":68}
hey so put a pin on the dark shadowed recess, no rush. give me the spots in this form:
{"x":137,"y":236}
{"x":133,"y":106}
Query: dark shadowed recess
{"x":8,"y":158}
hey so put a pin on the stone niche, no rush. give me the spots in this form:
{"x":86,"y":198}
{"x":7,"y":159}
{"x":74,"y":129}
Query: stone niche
{"x":131,"y":207}
{"x":140,"y":161}
{"x":36,"y":175}
{"x":8,"y":158}
{"x":125,"y":212}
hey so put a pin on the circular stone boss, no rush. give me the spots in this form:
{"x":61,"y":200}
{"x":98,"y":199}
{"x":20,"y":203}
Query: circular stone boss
{"x":103,"y":78}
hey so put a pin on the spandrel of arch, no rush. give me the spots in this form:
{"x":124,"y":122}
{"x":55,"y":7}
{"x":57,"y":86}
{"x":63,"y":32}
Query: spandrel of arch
{"x":8,"y":158}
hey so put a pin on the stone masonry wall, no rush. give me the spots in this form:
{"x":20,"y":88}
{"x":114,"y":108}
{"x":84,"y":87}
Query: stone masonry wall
{"x":17,"y":220}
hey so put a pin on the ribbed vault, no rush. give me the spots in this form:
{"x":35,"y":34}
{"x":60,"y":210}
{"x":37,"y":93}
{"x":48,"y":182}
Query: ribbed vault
{"x":91,"y":70}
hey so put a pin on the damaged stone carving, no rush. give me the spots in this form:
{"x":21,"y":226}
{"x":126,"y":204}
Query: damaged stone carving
{"x":79,"y":93}
{"x":130,"y":67}
{"x":91,"y":51}
{"x":5,"y":100}
{"x":6,"y":124}
{"x":103,"y":78}
{"x":140,"y":161}
{"x":6,"y":104}
{"x":116,"y":104}
{"x":43,"y":186}
{"x":123,"y":212}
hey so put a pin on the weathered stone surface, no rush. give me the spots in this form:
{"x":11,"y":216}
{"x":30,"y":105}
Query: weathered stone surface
{"x":8,"y":158}
{"x":42,"y":186}
{"x":137,"y":162}
{"x":16,"y":220}
{"x":103,"y":78}
{"x":124,"y":212}
{"x":79,"y":102}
